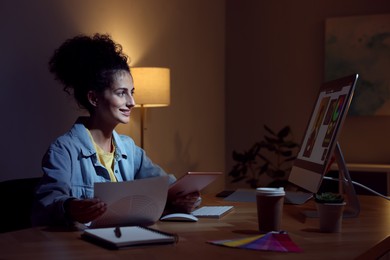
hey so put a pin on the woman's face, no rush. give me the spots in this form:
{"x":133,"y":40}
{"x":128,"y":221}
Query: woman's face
{"x":115,"y":103}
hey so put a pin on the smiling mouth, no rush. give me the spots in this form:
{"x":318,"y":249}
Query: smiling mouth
{"x":125,"y":112}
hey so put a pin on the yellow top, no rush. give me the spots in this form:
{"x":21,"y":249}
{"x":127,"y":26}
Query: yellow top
{"x":105,"y":158}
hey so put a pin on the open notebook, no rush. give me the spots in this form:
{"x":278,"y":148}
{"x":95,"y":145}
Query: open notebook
{"x":115,"y":238}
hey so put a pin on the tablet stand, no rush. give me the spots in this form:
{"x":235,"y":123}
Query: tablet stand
{"x":352,"y":208}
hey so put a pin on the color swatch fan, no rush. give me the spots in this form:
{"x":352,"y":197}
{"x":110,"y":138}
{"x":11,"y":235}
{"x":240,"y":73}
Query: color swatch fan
{"x":271,"y":241}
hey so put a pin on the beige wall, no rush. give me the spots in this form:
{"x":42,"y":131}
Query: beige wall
{"x":186,"y":36}
{"x":275,"y":65}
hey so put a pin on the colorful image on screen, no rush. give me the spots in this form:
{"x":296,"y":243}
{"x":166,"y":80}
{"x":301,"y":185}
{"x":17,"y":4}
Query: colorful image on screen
{"x":322,"y":125}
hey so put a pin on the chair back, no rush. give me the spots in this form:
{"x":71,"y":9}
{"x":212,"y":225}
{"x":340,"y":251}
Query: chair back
{"x":16,"y":198}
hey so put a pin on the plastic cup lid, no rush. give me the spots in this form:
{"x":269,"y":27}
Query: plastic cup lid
{"x":270,"y":191}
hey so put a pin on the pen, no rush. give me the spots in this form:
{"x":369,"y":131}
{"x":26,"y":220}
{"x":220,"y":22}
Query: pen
{"x":117,"y":232}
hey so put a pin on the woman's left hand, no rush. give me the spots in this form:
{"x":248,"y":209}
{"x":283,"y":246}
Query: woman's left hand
{"x":186,"y":203}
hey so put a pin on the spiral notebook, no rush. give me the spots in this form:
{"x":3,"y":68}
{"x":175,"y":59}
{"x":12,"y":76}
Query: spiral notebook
{"x":116,"y":238}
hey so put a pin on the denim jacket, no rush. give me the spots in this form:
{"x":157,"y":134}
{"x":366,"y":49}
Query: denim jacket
{"x":71,"y":167}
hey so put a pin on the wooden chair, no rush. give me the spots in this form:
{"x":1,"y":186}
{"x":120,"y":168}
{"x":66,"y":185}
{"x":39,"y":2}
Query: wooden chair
{"x":16,"y":197}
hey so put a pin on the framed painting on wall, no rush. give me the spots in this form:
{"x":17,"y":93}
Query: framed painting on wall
{"x":361,"y":44}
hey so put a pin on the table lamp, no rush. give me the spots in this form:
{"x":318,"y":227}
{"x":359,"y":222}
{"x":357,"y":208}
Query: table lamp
{"x":152,"y":89}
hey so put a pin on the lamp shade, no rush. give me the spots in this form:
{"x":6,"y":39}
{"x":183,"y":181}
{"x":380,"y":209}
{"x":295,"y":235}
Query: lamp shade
{"x":152,"y":86}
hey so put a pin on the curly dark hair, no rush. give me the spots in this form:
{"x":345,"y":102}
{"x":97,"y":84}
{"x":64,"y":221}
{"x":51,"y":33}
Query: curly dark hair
{"x":86,"y":63}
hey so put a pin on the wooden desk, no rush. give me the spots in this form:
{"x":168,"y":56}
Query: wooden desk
{"x":359,"y":235}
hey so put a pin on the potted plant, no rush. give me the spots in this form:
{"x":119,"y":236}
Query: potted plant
{"x":329,"y":198}
{"x":272,"y":156}
{"x":330,"y":207}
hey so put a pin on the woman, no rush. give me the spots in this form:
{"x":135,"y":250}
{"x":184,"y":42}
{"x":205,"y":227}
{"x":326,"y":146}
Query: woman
{"x":95,"y":71}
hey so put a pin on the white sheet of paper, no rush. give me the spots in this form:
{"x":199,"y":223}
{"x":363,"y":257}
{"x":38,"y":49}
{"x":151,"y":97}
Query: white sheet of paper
{"x":138,"y":202}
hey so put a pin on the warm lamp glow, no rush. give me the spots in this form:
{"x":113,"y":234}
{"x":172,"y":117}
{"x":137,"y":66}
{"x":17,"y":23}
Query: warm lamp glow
{"x":151,"y":89}
{"x":152,"y":86}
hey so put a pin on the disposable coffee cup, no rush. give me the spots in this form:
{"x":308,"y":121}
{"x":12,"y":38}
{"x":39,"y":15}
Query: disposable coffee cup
{"x":269,"y":208}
